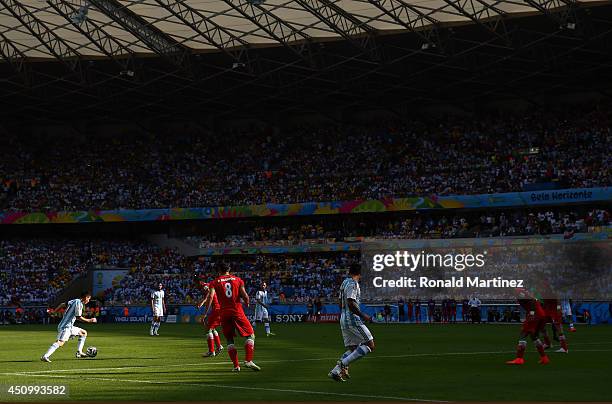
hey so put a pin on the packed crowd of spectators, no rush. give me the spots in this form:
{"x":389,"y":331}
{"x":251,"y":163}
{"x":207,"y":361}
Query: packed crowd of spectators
{"x":34,"y":271}
{"x":412,"y":226}
{"x":455,"y":156}
{"x":289,"y":278}
{"x":295,"y":279}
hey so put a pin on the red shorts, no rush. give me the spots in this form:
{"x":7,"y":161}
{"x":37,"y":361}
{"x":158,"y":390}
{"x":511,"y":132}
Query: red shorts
{"x":213,"y":320}
{"x":554,"y":317}
{"x":233,"y":322}
{"x":533,"y":325}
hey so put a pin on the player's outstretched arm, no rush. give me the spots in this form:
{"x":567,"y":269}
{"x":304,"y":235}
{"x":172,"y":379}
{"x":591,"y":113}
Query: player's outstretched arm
{"x":354,"y":308}
{"x":244,"y":295}
{"x":203,"y":301}
{"x":208,"y":300}
{"x":87,"y":320}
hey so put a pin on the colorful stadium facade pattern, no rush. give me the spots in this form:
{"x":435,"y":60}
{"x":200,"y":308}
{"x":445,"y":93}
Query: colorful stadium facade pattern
{"x":512,"y":199}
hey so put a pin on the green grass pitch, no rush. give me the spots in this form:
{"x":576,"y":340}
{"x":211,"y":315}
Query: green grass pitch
{"x":412,"y":362}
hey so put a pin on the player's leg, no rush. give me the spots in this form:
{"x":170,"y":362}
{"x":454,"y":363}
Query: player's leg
{"x":227,"y":324}
{"x":546,"y":338}
{"x":539,"y":345}
{"x":345,"y":370}
{"x":214,"y":321}
{"x":217,"y":339}
{"x":266,"y":321}
{"x":153,"y":325}
{"x":158,"y":323}
{"x":522,"y":345}
{"x":249,"y":349}
{"x":360,"y":341}
{"x":364,"y":348}
{"x":54,"y":347}
{"x":570,"y":320}
{"x":82,"y":336}
{"x":243,"y":326}
{"x":62,"y":336}
{"x":562,"y":339}
{"x":210,"y":340}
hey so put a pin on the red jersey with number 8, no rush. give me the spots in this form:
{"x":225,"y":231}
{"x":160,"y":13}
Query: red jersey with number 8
{"x":233,"y":319}
{"x":227,"y":290}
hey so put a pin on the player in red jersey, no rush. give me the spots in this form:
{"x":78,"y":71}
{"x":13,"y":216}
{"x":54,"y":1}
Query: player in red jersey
{"x":552,"y":309}
{"x":535,"y":320}
{"x":211,"y":320}
{"x":230,"y":290}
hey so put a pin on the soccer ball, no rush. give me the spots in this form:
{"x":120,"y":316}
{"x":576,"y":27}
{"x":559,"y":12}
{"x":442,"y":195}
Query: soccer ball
{"x":92,"y":351}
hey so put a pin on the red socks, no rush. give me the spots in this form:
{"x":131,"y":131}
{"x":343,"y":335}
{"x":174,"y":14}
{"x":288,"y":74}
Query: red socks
{"x":520,"y":349}
{"x":249,"y":349}
{"x":217,"y":341}
{"x":540,"y":348}
{"x":233,"y":354}
{"x":211,"y":344}
{"x":563,"y":342}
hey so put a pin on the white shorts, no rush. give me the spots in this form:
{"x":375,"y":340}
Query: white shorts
{"x":158,"y":311}
{"x":356,"y":335}
{"x":566,"y":310}
{"x":261,"y":313}
{"x":67,"y":333}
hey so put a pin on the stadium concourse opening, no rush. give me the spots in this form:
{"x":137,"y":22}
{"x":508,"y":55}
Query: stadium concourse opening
{"x":228,"y":200}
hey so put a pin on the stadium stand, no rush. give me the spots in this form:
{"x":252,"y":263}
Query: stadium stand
{"x":472,"y":224}
{"x":453,"y":156}
{"x":34,"y":271}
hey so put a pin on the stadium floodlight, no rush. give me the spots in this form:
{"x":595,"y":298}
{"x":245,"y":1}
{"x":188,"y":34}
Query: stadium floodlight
{"x":81,"y":15}
{"x":427,"y":46}
{"x":129,"y":73}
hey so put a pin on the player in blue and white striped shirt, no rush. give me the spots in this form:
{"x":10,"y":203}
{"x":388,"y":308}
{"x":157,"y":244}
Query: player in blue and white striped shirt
{"x":358,"y":339}
{"x":66,"y":329}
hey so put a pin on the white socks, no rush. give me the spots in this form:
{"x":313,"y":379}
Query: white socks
{"x":344,"y":355}
{"x":81,"y":344}
{"x":361,"y":351}
{"x":267,"y":327}
{"x":51,"y":349}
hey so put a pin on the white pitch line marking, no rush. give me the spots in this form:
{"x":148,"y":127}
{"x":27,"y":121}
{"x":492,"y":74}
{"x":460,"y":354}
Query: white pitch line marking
{"x":373,"y":357}
{"x":225,"y":386}
{"x":265,"y":361}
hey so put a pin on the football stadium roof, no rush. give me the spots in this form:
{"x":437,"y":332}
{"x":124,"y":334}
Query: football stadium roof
{"x":113,"y":28}
{"x":63,"y":58}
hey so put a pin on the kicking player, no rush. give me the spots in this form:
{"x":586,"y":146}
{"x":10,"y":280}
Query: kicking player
{"x":535,"y":321}
{"x":66,"y":329}
{"x":230,"y":290}
{"x":211,"y":320}
{"x":261,"y":308}
{"x":358,"y":339}
{"x":158,"y":306}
